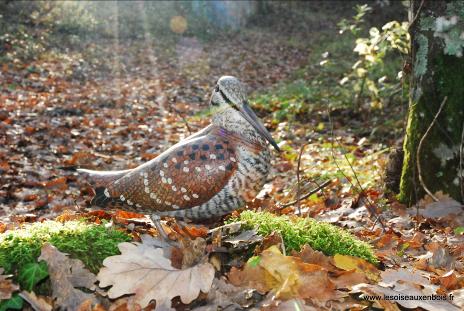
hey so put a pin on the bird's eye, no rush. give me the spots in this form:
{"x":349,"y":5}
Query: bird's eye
{"x":216,"y":88}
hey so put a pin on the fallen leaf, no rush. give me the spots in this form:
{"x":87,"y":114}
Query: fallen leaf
{"x":288,"y":305}
{"x":59,"y":183}
{"x":65,"y":275}
{"x":270,"y":240}
{"x":442,"y":259}
{"x":346,"y":262}
{"x":449,"y":280}
{"x":192,"y":231}
{"x":227,"y":296}
{"x":143,"y":270}
{"x":347,"y":279}
{"x":7,"y":288}
{"x":244,"y":238}
{"x":127,"y":215}
{"x":444,"y":207}
{"x":392,"y":277}
{"x":193,"y":251}
{"x":309,"y":255}
{"x":286,"y":276}
{"x":417,"y":240}
{"x":37,"y":303}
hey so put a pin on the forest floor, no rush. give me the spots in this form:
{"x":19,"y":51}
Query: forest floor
{"x":119,"y":104}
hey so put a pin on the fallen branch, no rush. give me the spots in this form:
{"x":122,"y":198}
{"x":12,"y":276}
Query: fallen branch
{"x":307,"y":195}
{"x":419,"y":147}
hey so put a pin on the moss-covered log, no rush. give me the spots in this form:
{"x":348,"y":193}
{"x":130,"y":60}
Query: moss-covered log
{"x":437,"y":34}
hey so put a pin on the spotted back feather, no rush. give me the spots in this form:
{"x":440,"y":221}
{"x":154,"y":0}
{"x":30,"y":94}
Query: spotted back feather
{"x":186,"y":175}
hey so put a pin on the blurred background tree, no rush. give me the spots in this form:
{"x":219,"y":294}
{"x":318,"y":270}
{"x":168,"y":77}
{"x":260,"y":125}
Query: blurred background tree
{"x":435,"y":131}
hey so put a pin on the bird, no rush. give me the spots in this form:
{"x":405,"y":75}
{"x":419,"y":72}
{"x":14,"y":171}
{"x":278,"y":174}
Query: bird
{"x":208,"y":174}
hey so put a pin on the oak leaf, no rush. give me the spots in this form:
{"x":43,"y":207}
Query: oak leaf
{"x":65,"y":275}
{"x":143,"y":270}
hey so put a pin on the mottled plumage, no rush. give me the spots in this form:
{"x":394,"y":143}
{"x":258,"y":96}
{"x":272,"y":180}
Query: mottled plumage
{"x":208,"y":174}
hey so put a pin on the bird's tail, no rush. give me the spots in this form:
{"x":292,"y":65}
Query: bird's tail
{"x":100,"y":181}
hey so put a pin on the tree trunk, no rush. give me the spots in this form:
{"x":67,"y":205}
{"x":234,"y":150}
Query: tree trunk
{"x":437,"y":80}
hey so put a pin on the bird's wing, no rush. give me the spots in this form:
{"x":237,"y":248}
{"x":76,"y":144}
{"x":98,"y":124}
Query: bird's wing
{"x":186,"y":175}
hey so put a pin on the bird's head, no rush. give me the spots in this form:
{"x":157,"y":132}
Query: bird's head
{"x":231,"y":110}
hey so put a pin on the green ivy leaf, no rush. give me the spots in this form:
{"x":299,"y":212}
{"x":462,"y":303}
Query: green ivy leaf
{"x":31,"y":274}
{"x":15,"y":303}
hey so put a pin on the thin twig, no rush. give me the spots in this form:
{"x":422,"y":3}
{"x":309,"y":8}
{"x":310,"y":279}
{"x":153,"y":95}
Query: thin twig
{"x":298,"y":179}
{"x":417,"y":14}
{"x":183,"y":119}
{"x":371,"y":208}
{"x":307,"y":195}
{"x":419,"y":148}
{"x":318,"y":185}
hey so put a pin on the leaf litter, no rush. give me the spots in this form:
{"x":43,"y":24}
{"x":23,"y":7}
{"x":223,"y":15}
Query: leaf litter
{"x":62,"y":122}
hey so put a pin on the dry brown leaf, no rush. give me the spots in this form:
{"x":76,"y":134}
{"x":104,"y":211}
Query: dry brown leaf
{"x":449,"y":280}
{"x":141,"y":269}
{"x":392,"y":277}
{"x":308,"y":255}
{"x":288,"y":277}
{"x":193,"y":251}
{"x":59,"y":183}
{"x":195,"y":231}
{"x":346,"y":262}
{"x":346,"y":279}
{"x":438,"y":257}
{"x":37,"y":303}
{"x":6,"y":286}
{"x":417,"y":240}
{"x":225,"y":296}
{"x":288,"y":305}
{"x":272,"y":239}
{"x":65,"y":275}
{"x":128,"y":304}
{"x":444,"y":207}
{"x":88,"y":305}
{"x":246,"y":237}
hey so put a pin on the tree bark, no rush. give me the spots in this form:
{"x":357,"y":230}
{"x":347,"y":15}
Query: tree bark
{"x":437,"y":38}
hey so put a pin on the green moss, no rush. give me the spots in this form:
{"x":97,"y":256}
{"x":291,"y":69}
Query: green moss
{"x":297,"y":231}
{"x":90,"y":243}
{"x":409,"y":161}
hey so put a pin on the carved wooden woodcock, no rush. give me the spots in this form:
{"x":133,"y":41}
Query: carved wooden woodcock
{"x":210,"y":173}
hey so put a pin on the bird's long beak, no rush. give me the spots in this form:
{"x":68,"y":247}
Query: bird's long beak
{"x":250,"y":116}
